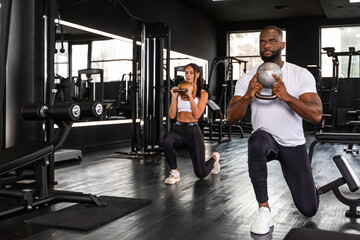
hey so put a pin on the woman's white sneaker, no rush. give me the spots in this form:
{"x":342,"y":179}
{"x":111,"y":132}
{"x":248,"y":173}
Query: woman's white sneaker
{"x":216,"y":168}
{"x":263,"y":222}
{"x":173,"y":178}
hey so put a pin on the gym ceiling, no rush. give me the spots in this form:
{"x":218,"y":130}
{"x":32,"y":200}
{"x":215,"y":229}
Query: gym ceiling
{"x":252,"y":10}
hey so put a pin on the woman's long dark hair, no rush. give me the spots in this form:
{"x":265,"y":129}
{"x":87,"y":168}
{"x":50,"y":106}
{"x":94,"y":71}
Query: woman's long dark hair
{"x":199,"y":81}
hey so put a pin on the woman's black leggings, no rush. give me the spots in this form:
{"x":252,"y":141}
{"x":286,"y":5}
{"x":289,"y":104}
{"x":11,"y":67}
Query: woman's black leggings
{"x":295,"y":165}
{"x":190,"y":137}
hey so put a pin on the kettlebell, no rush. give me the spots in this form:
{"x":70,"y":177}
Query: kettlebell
{"x":266,"y":78}
{"x":183,"y":88}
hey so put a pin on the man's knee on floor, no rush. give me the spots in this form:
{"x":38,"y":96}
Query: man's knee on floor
{"x":309,"y":210}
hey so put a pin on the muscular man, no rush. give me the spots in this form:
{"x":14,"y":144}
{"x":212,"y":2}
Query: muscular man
{"x":277,"y":128}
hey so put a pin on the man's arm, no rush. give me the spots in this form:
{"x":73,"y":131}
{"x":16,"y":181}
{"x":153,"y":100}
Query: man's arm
{"x":238,"y":104}
{"x":237,"y":108}
{"x":308,"y":106}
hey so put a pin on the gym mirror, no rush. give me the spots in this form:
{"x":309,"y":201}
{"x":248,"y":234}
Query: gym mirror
{"x":110,"y":58}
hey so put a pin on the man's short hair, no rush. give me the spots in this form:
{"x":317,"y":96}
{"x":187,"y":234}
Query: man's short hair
{"x":274,"y":28}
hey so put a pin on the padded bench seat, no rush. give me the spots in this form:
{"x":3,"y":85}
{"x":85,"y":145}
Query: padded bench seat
{"x":23,"y":154}
{"x":338,"y":137}
{"x":328,"y":137}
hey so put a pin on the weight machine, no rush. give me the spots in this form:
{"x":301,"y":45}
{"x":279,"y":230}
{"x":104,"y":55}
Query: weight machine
{"x":123,"y":104}
{"x":335,"y":137}
{"x":227,"y":89}
{"x":153,"y":91}
{"x":334,"y":90}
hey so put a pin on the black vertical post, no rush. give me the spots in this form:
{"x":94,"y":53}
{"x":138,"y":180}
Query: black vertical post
{"x":334,"y":92}
{"x":142,"y":87}
{"x":160,"y":90}
{"x":167,"y":80}
{"x":134,"y":90}
{"x":24,"y":69}
{"x":150,"y":105}
{"x":4,"y":40}
{"x":49,"y":63}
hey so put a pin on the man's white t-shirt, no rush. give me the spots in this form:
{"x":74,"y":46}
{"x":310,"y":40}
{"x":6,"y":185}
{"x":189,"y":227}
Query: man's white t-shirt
{"x":275,"y":116}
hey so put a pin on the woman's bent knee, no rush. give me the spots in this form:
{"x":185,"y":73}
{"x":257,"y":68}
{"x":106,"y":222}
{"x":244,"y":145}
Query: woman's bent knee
{"x":201,"y":174}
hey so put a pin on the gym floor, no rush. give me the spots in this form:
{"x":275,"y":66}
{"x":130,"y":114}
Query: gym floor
{"x":218,"y":207}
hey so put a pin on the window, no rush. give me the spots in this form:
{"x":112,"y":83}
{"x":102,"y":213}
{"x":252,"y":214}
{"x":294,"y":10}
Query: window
{"x":340,"y":38}
{"x":61,"y":60}
{"x":114,"y":56}
{"x":79,"y":58}
{"x":245,"y":46}
{"x":179,"y":59}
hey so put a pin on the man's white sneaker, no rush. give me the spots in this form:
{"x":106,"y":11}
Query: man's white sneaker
{"x":263,"y":222}
{"x":173,"y":178}
{"x":216,"y":168}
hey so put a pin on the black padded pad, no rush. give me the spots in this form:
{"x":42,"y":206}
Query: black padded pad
{"x":23,"y":154}
{"x":87,"y":217}
{"x":347,"y":172}
{"x":354,"y":123}
{"x":213,"y":105}
{"x":318,"y":234}
{"x":338,"y":136}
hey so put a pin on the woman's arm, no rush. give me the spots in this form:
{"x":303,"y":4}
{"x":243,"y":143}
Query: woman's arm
{"x":173,"y":104}
{"x":197,"y":110}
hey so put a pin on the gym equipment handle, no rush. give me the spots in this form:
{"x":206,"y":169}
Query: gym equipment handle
{"x":180,"y":90}
{"x":265,"y":97}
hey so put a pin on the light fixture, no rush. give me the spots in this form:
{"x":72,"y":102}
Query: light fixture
{"x":354,"y":1}
{"x":87,"y":29}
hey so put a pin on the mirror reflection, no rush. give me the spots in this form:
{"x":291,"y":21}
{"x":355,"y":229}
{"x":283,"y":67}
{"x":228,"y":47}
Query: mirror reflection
{"x":95,"y":65}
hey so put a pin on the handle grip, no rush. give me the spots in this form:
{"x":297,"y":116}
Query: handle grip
{"x":180,"y":90}
{"x":265,"y":97}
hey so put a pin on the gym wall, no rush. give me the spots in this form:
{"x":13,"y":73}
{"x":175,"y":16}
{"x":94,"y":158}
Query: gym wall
{"x":191,"y":32}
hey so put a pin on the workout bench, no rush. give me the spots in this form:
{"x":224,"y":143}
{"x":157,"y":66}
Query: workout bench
{"x":348,"y":177}
{"x":327,"y":137}
{"x":220,"y":123}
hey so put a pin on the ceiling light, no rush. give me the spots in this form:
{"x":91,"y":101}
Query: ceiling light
{"x":87,"y":29}
{"x":354,"y":1}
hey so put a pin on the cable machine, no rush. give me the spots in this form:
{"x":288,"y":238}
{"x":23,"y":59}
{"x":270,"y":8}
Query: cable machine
{"x":150,"y":87}
{"x":150,"y":91}
{"x":334,"y":91}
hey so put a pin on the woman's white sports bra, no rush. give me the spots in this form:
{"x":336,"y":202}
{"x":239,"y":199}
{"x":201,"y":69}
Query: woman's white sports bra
{"x":184,"y":106}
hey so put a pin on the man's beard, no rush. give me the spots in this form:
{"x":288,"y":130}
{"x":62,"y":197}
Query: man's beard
{"x":276,"y":54}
